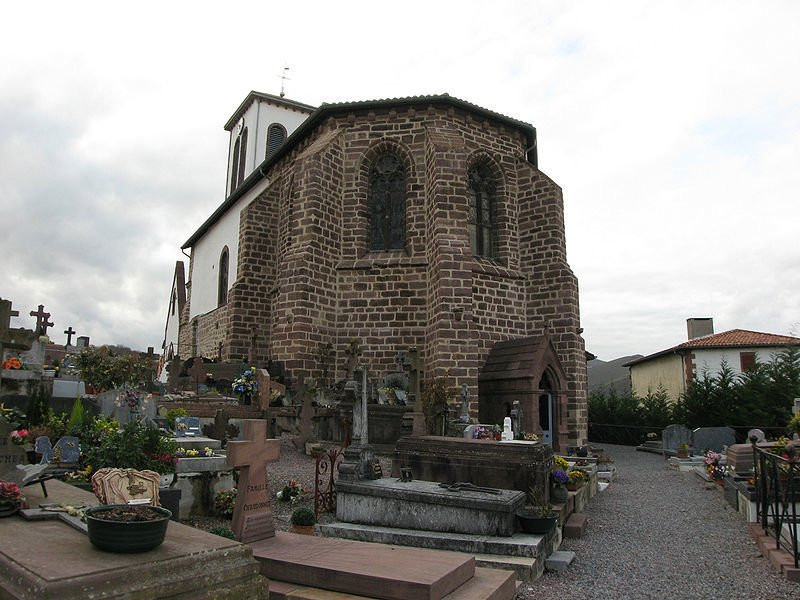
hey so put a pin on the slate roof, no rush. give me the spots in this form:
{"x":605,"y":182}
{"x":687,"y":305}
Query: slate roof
{"x":285,"y":102}
{"x":735,"y":338}
{"x":327,"y":109}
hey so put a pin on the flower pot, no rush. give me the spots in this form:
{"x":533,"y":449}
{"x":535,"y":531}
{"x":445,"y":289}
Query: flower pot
{"x":126,"y":536}
{"x":302,"y":529}
{"x":8,"y":508}
{"x":533,"y":524}
{"x":574,"y":487}
{"x":558,"y":494}
{"x":682,"y":453}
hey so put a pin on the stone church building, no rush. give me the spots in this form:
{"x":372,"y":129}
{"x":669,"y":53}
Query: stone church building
{"x":421,"y":221}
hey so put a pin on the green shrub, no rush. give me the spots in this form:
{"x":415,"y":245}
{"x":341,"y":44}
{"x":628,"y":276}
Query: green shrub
{"x":172,"y":413}
{"x":303,"y":517}
{"x":225,"y":502}
{"x":223,"y":531}
{"x":137,"y":446}
{"x":38,"y":409}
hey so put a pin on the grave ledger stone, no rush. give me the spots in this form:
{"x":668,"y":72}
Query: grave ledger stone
{"x":252,"y":516}
{"x":673,"y":436}
{"x":712,"y":438}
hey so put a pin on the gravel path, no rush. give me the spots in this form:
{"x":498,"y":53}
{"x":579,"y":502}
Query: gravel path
{"x":658,"y":533}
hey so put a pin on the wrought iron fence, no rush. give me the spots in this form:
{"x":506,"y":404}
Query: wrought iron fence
{"x":778,"y":485}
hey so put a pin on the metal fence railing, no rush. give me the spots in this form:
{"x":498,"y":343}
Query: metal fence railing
{"x":778,"y":485}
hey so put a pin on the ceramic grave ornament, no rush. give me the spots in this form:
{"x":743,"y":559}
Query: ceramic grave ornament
{"x":121,"y":486}
{"x":508,"y":435}
{"x":252,"y":515}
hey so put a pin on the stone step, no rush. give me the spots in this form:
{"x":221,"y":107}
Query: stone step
{"x":361,"y":568}
{"x":486,"y":584}
{"x":525,"y":568}
{"x":559,"y":561}
{"x":575,"y":525}
{"x":520,"y":544}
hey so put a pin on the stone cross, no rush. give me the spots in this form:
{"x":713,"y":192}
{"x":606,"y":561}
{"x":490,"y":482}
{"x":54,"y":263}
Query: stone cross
{"x":252,"y":516}
{"x":69,"y":332}
{"x":5,"y":314}
{"x":42,"y":320}
{"x":418,"y":427}
{"x":353,"y":352}
{"x":360,"y":421}
{"x":198,"y":374}
{"x":266,"y":387}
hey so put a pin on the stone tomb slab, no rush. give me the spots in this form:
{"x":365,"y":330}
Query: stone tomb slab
{"x":427,"y":506}
{"x":11,"y":455}
{"x":51,"y":561}
{"x":371,"y":570}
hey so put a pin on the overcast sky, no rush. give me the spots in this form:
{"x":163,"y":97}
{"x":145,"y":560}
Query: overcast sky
{"x":673,"y":128}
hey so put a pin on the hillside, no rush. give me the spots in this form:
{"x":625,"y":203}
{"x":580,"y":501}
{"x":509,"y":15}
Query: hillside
{"x":603,"y":375}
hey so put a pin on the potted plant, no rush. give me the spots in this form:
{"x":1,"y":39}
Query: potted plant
{"x":575,"y":480}
{"x":303,"y":520}
{"x":10,"y":498}
{"x":558,"y":489}
{"x":683,"y":450}
{"x":126,"y":528}
{"x":537,"y":516}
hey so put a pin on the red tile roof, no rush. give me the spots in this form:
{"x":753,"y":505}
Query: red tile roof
{"x":735,"y":338}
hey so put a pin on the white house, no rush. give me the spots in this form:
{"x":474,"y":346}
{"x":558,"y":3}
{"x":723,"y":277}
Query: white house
{"x":705,"y":351}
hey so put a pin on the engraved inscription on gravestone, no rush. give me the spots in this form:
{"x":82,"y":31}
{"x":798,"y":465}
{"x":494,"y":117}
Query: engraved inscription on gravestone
{"x":252,"y":515}
{"x":11,"y":455}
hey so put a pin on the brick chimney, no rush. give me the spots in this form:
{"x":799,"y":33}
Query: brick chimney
{"x":699,"y":327}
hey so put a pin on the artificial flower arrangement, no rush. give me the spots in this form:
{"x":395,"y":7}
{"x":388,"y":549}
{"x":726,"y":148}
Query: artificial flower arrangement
{"x":20,"y":437}
{"x":246,"y":384}
{"x":10,"y":495}
{"x":12,"y":363}
{"x":79,"y":476}
{"x":183,"y":453}
{"x":291,"y":492}
{"x":485,"y":432}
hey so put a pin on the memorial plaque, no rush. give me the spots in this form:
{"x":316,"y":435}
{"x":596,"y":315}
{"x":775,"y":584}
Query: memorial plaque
{"x":11,"y":455}
{"x":188,"y":426}
{"x":252,"y":515}
{"x":120,"y":486}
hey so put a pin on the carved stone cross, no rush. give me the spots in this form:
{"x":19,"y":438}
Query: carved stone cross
{"x":42,"y":320}
{"x":5,"y":314}
{"x":197,"y":374}
{"x":69,"y":332}
{"x":252,"y":516}
{"x":265,"y":388}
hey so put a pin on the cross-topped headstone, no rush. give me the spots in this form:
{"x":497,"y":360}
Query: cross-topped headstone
{"x":42,"y":320}
{"x":252,"y":515}
{"x":5,"y":314}
{"x":197,"y":374}
{"x":414,"y":384}
{"x":69,"y":332}
{"x":265,"y":388}
{"x":464,"y":418}
{"x":353,"y":353}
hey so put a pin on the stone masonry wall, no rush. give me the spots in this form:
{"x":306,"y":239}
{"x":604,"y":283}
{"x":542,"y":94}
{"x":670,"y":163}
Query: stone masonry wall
{"x":309,"y":278}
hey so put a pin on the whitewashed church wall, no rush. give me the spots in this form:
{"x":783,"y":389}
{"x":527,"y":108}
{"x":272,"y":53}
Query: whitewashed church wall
{"x":712,"y":359}
{"x":257,"y":118}
{"x":206,"y":252}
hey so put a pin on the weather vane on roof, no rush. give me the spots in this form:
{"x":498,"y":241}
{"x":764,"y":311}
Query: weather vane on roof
{"x":284,"y":79}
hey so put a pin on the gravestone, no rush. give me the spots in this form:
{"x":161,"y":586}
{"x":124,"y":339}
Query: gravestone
{"x":120,"y":486}
{"x":266,"y":387}
{"x":306,"y":433}
{"x":712,"y":438}
{"x":67,"y":451}
{"x":109,"y":406}
{"x":42,"y":320}
{"x":675,"y":435}
{"x":11,"y":455}
{"x":252,"y":515}
{"x":192,"y":426}
{"x":147,"y":407}
{"x":758,"y":434}
{"x":42,"y":445}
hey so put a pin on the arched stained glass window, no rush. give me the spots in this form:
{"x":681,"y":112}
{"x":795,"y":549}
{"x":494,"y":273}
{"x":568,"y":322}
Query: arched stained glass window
{"x":222,"y":282}
{"x":276,"y":135}
{"x":482,"y":211}
{"x":242,"y":157}
{"x":235,"y":166}
{"x":387,"y":203}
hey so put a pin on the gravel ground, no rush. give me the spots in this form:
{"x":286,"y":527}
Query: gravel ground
{"x":654,"y":533}
{"x":658,"y":533}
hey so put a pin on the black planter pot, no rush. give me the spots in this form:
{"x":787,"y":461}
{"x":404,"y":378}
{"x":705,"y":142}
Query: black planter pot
{"x":170,"y":499}
{"x":531,"y":524}
{"x":123,"y":536}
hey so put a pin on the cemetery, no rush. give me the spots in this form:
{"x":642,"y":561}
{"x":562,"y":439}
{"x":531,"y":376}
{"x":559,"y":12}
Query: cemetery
{"x":404,"y":493}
